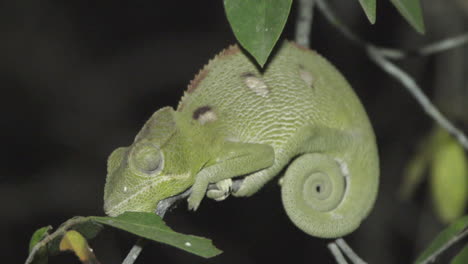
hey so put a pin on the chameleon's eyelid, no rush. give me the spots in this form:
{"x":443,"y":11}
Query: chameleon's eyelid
{"x":149,"y":165}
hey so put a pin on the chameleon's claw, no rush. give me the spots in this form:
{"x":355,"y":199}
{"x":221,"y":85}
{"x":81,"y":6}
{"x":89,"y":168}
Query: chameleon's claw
{"x":194,"y":201}
{"x":221,"y":190}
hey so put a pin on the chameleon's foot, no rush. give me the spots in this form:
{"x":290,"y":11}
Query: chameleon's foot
{"x":195,"y":198}
{"x":221,"y":191}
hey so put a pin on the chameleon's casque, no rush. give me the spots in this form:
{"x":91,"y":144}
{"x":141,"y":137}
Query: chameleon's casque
{"x":298,"y":116}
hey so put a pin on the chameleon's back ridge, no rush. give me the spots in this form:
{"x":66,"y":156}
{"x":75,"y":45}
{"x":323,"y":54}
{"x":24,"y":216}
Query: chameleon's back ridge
{"x":299,"y":115}
{"x":300,"y":104}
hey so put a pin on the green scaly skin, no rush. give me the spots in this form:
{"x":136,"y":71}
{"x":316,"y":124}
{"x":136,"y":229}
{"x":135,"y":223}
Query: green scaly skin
{"x":299,"y":114}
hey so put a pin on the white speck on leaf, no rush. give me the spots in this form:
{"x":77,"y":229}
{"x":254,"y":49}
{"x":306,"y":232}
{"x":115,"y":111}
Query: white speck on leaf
{"x":125,"y":189}
{"x":188,"y":244}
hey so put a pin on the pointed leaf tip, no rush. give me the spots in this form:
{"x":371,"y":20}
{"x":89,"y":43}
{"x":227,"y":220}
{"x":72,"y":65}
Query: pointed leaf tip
{"x":257,"y":24}
{"x":411,"y":10}
{"x":369,"y":9}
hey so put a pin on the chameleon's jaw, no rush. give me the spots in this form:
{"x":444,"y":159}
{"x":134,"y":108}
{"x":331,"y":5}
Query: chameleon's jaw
{"x":146,"y":198}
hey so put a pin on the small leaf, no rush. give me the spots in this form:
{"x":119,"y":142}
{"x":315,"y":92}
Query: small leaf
{"x":412,"y":12}
{"x":257,"y":24}
{"x":151,"y":226}
{"x":443,"y":238}
{"x":369,"y":8}
{"x":38,"y":235}
{"x":41,"y":256}
{"x":462,"y":257}
{"x":74,"y":241}
{"x":85,"y":227}
{"x":449,"y":179}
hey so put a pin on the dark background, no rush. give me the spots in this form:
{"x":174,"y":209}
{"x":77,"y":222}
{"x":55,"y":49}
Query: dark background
{"x":80,"y":78}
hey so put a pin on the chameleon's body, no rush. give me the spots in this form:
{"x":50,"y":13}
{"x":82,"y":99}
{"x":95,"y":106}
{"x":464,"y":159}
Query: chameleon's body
{"x":299,"y":116}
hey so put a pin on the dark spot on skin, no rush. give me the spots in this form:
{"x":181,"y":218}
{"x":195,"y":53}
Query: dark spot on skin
{"x":200,"y":111}
{"x":301,"y":67}
{"x":247,"y":74}
{"x":196,"y":81}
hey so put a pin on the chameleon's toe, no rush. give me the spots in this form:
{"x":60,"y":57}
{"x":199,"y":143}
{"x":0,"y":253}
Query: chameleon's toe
{"x":194,"y":201}
{"x":222,"y":191}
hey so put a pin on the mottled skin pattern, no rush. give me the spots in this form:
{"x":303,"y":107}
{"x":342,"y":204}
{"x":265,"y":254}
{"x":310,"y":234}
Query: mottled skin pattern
{"x":299,"y":115}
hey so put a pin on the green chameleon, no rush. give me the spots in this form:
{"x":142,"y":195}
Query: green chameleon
{"x":298,"y":118}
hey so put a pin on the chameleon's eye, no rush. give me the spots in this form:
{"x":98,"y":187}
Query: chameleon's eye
{"x":146,"y":158}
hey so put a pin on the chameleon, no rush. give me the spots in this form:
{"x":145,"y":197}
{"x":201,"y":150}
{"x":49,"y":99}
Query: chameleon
{"x":298,"y":118}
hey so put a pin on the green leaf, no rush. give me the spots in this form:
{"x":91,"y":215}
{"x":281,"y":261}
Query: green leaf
{"x":412,"y":12}
{"x":41,"y":256}
{"x":449,"y":179}
{"x":369,"y":8}
{"x":151,"y":226}
{"x":462,"y":257}
{"x":38,"y":235}
{"x":83,"y":225}
{"x":446,"y":236}
{"x":257,"y":24}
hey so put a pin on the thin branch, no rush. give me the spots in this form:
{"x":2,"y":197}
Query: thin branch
{"x":349,"y":251}
{"x":452,"y":241}
{"x":417,"y":93}
{"x":378,"y":56}
{"x":436,"y":47}
{"x":337,"y":253}
{"x":59,"y":232}
{"x":135,"y":251}
{"x":304,"y":22}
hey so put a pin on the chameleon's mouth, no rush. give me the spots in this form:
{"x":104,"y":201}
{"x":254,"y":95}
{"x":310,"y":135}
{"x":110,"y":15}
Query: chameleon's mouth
{"x":142,"y":200}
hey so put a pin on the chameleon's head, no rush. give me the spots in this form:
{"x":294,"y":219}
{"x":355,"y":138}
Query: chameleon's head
{"x":151,"y":169}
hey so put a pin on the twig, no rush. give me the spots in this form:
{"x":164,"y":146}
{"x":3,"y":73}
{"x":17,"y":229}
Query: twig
{"x":337,"y":253}
{"x":436,"y":47}
{"x":417,"y":93}
{"x":349,"y":251}
{"x":59,"y":232}
{"x":135,"y":251}
{"x":452,"y":241}
{"x":304,"y":22}
{"x":378,"y":56}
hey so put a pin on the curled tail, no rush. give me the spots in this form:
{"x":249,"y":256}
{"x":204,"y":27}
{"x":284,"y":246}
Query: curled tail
{"x":326,"y":197}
